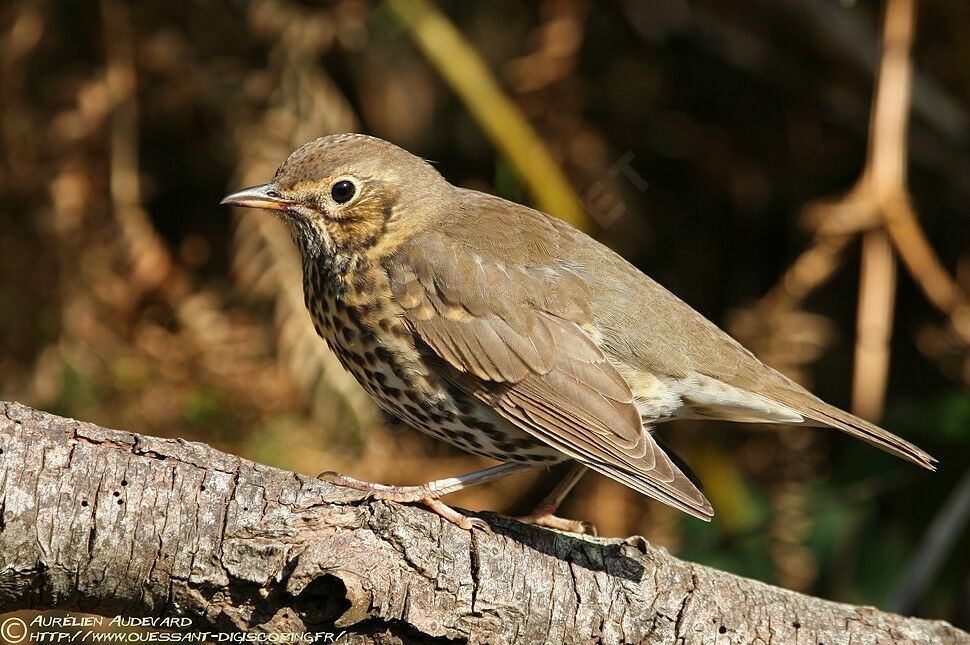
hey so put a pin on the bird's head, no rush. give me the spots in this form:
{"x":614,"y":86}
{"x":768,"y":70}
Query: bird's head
{"x":342,"y":194}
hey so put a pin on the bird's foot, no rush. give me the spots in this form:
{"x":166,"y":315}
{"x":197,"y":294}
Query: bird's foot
{"x":401,"y":494}
{"x":559,"y":523}
{"x":545,"y":515}
{"x":427,"y":494}
{"x":453,"y":516}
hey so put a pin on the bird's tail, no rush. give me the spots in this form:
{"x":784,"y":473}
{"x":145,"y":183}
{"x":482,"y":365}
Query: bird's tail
{"x":812,"y":407}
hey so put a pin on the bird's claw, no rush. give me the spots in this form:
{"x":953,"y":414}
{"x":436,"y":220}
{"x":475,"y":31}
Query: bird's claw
{"x":471,"y":523}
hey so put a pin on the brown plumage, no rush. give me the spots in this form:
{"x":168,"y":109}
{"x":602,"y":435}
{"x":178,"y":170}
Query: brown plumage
{"x":508,"y":332}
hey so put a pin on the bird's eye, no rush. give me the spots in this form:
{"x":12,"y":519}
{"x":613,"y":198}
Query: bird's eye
{"x":343,"y":191}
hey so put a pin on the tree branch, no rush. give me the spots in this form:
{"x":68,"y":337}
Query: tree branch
{"x":104,"y":521}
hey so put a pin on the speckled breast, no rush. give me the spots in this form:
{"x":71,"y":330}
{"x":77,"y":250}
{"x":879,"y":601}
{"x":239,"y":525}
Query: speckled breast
{"x":364,"y":329}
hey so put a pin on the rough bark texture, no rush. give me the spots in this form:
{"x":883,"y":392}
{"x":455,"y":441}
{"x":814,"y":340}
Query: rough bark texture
{"x":109,"y":522}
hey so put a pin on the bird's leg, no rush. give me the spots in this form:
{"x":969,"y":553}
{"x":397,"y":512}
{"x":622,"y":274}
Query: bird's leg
{"x":545,"y":513}
{"x":429,"y":493}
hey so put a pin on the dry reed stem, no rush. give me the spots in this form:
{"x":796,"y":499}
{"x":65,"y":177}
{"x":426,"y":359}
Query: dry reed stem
{"x":465,"y":71}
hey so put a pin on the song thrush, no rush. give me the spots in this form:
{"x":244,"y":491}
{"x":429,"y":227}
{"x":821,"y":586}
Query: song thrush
{"x":510,"y":334}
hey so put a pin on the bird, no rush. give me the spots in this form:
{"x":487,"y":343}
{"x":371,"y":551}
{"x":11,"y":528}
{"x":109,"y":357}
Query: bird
{"x":510,"y":334}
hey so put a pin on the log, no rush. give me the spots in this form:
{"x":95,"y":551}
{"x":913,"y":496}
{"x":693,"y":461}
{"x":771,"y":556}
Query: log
{"x":111,"y":522}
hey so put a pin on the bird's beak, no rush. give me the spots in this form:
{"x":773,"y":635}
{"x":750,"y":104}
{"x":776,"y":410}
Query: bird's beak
{"x":264,"y":196}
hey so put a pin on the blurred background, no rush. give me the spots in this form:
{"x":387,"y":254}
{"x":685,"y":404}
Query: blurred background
{"x":738,"y":152}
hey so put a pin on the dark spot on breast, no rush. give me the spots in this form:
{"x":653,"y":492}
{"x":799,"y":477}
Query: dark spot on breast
{"x":460,"y":399}
{"x":415,"y":411}
{"x":386,"y":355}
{"x":543,"y":458}
{"x":470,"y":437}
{"x":365,"y":310}
{"x":485,"y":427}
{"x":394,"y":328}
{"x":344,"y":356}
{"x":409,"y":378}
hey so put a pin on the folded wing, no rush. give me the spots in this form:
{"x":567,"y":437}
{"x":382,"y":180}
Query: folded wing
{"x":514,"y":338}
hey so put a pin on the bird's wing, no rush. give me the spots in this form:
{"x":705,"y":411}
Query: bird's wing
{"x":513,"y":337}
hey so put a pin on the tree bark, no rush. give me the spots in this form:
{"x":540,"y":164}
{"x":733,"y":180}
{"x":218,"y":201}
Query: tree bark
{"x":111,"y":522}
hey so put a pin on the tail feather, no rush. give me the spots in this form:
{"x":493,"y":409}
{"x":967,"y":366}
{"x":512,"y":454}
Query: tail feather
{"x":814,"y":408}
